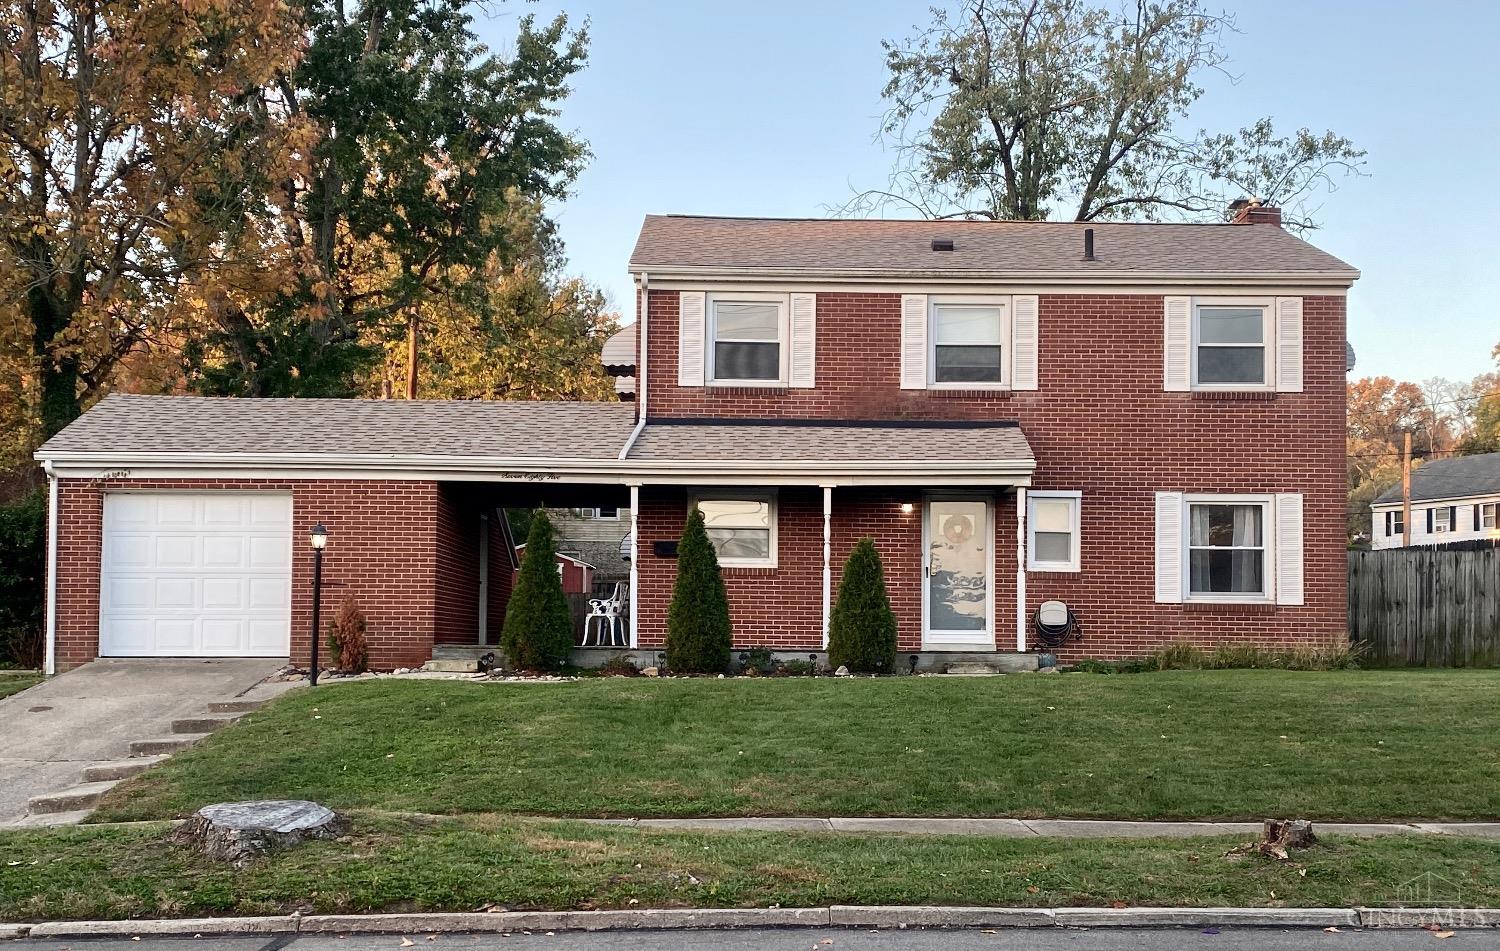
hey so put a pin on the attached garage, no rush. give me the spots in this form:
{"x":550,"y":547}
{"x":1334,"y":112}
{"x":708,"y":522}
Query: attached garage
{"x":196,"y":574}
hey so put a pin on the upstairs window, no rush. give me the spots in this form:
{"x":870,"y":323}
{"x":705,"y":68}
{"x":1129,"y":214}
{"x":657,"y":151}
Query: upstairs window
{"x":1395,"y":523}
{"x":1442,"y":520}
{"x":968,"y":347}
{"x":1230,"y":345}
{"x":1489,"y":515}
{"x":742,"y":529}
{"x":747,"y":335}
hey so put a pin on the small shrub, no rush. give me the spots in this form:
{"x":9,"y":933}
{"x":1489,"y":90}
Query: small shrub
{"x":538,"y":632}
{"x":619,"y":666}
{"x":346,"y":637}
{"x":797,"y":668}
{"x":862,"y":629}
{"x":1183,"y":655}
{"x":1092,"y":665}
{"x":698,"y":626}
{"x":1180,"y":655}
{"x":757,"y":661}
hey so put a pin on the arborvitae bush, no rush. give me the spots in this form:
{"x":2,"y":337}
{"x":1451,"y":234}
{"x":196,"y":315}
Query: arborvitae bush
{"x":698,"y":629}
{"x":538,"y":626}
{"x":346,"y":637}
{"x":862,"y":630}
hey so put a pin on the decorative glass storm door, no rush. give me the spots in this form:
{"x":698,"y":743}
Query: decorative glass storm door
{"x":957,"y":596}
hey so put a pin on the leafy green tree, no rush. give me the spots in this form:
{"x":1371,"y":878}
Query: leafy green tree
{"x":1025,"y":109}
{"x":538,"y":631}
{"x":698,"y":628}
{"x":431,"y":153}
{"x":22,"y":573}
{"x":862,"y":629}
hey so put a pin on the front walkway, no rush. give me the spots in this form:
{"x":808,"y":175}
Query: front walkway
{"x":1047,"y":828}
{"x":90,"y":715}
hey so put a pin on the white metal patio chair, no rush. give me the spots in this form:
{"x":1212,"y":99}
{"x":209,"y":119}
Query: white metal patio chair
{"x":605,"y":613}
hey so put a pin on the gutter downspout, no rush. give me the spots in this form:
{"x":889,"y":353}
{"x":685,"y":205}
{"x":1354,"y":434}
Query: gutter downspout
{"x":49,"y":662}
{"x":643,"y":282}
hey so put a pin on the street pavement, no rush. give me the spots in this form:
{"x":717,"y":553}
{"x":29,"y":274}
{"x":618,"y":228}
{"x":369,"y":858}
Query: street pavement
{"x":811,"y":939}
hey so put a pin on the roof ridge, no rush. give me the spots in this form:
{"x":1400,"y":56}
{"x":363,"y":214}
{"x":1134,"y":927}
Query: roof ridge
{"x":960,"y":221}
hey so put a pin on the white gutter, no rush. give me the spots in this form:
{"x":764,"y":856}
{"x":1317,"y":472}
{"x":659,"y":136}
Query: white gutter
{"x":49,"y":662}
{"x":643,"y":282}
{"x":1344,"y":276}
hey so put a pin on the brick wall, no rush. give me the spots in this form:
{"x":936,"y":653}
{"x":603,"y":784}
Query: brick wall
{"x":382,"y":548}
{"x":1099,"y":423}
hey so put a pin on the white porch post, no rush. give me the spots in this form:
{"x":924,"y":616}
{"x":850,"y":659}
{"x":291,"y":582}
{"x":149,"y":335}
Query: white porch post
{"x":49,"y":659}
{"x":1020,"y":568}
{"x":635,"y":565}
{"x":827,"y":553}
{"x":484,"y":580}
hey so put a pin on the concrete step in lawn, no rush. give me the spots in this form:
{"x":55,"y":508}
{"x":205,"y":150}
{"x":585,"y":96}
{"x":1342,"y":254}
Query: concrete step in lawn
{"x":82,"y":796}
{"x":972,"y":670}
{"x":47,"y":820}
{"x":235,"y":706}
{"x":165,"y":744}
{"x":452,"y":666}
{"x":120,"y":769}
{"x":202,"y":724}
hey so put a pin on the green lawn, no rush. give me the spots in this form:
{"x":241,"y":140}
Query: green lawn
{"x":465,"y":863}
{"x":14,"y":683}
{"x":1198,"y":744}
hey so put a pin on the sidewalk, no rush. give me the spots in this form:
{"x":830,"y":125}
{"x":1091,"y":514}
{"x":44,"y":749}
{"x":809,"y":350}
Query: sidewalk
{"x":1049,"y":828}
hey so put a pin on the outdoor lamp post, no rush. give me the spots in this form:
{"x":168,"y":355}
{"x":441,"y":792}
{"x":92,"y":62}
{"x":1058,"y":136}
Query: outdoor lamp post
{"x":319,"y":542}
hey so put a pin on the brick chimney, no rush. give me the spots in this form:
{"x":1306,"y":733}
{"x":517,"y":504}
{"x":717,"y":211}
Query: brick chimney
{"x":1251,"y":211}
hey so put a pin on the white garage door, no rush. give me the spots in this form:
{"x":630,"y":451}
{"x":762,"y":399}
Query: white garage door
{"x":196,"y":575}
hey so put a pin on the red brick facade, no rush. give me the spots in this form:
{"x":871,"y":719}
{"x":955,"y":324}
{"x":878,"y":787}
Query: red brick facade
{"x":1100,"y":423}
{"x":405,"y":550}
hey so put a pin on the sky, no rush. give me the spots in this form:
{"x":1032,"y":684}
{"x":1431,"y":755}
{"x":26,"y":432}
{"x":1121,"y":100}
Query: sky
{"x":771,"y":108}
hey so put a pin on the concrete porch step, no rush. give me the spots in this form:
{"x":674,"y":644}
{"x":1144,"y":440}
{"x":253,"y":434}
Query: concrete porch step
{"x":82,"y":796}
{"x":120,"y":769}
{"x":201,"y":724}
{"x":972,"y":670}
{"x":451,"y":666}
{"x":235,"y":706}
{"x":165,"y":744}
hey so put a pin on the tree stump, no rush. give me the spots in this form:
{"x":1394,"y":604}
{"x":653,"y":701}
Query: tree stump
{"x":1288,"y":834}
{"x":239,"y":832}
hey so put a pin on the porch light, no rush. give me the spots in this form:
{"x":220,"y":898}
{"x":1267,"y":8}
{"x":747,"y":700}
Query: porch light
{"x":319,"y":537}
{"x":906,"y":508}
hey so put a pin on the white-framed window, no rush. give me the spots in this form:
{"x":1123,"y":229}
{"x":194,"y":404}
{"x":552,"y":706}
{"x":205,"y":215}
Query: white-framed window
{"x":1228,"y":556}
{"x":747,"y":339}
{"x":603,"y":512}
{"x":1489,"y":516}
{"x":1395,"y":523}
{"x":1442,"y":520}
{"x":742,"y":527}
{"x":1232,"y":343}
{"x":968,"y":342}
{"x":1052,"y":529}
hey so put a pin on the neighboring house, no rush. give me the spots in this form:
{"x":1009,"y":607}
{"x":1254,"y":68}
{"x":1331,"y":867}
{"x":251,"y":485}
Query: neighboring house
{"x":1145,"y":421}
{"x":1452,"y":500}
{"x":618,"y":357}
{"x":597,"y":535}
{"x":577,"y":575}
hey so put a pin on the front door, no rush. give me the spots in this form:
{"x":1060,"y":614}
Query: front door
{"x":958,"y":571}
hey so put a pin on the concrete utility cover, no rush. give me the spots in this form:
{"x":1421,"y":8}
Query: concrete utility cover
{"x":272,"y":815}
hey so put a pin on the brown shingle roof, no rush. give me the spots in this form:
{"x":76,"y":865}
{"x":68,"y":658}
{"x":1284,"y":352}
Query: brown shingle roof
{"x":1009,"y":247}
{"x":702,"y":440}
{"x":202,"y":424}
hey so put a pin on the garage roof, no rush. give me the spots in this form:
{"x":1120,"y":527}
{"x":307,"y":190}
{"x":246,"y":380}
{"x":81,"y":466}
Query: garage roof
{"x":484,"y":428}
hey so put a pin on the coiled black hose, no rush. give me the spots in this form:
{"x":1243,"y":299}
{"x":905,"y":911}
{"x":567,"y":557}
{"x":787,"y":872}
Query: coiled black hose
{"x":1054,"y":635}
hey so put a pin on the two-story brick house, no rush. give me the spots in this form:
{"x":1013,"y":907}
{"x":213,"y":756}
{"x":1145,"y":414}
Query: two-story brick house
{"x":1142,"y":421}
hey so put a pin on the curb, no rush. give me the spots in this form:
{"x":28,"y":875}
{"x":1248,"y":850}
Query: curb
{"x":835,"y":916}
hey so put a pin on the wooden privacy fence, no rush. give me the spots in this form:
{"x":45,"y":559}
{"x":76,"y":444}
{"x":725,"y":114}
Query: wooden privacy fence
{"x":1426,"y":607}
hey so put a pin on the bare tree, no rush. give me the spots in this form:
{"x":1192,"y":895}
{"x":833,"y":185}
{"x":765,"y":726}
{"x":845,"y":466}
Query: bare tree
{"x":1029,"y":109}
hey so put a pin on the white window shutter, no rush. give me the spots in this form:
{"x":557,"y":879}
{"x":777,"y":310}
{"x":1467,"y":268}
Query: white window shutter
{"x":1289,"y":344}
{"x":804,"y":339}
{"x":1169,"y":547}
{"x":1177,"y":343}
{"x":1289,"y":548}
{"x":914,"y":341}
{"x":1023,"y":351}
{"x":691,"y":337}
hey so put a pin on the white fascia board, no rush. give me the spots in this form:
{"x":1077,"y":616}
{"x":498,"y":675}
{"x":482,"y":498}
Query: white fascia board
{"x":1447,"y":499}
{"x":126,"y":466}
{"x":1336,"y":278}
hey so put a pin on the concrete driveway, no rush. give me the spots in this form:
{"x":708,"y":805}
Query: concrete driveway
{"x":51,"y":733}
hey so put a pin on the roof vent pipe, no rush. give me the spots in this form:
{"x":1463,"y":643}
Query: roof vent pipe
{"x":942,"y":244}
{"x":1088,"y":245}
